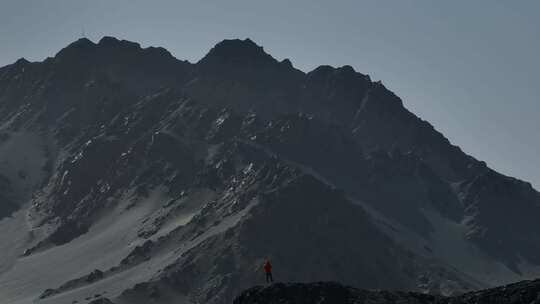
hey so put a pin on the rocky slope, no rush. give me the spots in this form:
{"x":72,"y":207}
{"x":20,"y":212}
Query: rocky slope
{"x":130,"y":174}
{"x":326,"y":292}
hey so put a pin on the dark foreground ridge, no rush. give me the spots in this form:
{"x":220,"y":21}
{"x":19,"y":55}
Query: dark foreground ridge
{"x":334,"y":293}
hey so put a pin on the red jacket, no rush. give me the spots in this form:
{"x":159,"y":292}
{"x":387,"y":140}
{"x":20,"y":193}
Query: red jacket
{"x":267,"y":267}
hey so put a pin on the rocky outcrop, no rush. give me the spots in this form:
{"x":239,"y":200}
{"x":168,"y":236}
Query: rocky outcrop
{"x":327,"y":292}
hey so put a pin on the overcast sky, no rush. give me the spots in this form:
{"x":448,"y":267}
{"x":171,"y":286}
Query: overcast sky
{"x":471,"y":68}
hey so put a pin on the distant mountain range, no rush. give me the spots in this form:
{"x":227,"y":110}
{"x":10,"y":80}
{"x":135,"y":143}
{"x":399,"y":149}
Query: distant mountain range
{"x":128,"y":174}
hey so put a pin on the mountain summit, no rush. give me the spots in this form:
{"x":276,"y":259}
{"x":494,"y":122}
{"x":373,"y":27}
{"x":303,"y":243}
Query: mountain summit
{"x":238,"y":51}
{"x":130,"y":174}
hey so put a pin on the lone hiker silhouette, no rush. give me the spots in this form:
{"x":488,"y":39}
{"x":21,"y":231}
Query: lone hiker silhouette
{"x":268,"y":270}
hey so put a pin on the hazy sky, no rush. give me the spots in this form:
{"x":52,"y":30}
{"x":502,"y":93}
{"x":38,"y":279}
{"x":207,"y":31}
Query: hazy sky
{"x":471,"y":68}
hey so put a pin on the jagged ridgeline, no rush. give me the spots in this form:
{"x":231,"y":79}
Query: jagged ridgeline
{"x":128,"y":174}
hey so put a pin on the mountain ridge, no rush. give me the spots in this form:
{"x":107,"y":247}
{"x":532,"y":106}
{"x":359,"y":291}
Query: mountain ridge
{"x":185,"y":156}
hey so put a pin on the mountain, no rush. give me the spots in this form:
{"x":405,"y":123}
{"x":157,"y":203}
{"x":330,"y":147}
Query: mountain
{"x":130,"y":174}
{"x":327,"y":293}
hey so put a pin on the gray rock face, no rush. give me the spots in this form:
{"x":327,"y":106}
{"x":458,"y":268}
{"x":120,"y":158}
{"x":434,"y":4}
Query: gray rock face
{"x":130,"y":173}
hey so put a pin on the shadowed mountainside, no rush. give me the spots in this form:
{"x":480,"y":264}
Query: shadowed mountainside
{"x":173,"y":180}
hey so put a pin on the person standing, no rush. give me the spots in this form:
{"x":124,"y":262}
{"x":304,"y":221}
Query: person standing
{"x":268,"y":271}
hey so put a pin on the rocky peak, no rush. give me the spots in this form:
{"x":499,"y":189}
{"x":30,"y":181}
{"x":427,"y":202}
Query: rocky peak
{"x":21,"y":62}
{"x":345,"y":73}
{"x":238,"y":51}
{"x":113,"y":42}
{"x":113,"y":50}
{"x":244,"y":59}
{"x":79,"y":47}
